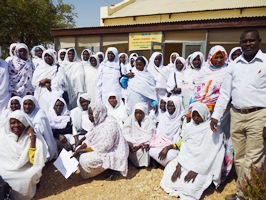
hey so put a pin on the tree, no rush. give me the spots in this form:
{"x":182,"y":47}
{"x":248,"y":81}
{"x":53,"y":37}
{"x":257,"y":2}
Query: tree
{"x":30,"y":21}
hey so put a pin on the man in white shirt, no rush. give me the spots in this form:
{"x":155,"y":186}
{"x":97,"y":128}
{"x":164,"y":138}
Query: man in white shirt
{"x":245,"y":84}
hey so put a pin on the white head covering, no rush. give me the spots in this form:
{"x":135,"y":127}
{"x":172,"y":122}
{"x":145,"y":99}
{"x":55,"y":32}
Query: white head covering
{"x":182,"y":60}
{"x":100,"y":53}
{"x":81,"y":56}
{"x":59,"y":52}
{"x":142,"y":106}
{"x":52,"y":53}
{"x":14,"y":98}
{"x":203,"y":111}
{"x":97,"y":60}
{"x":21,"y":46}
{"x":232,"y":51}
{"x":59,"y":121}
{"x":193,"y":56}
{"x":99,"y":112}
{"x":11,"y":47}
{"x":34,"y":50}
{"x":126,"y":57}
{"x":174,"y":53}
{"x":115,"y":52}
{"x":66,"y":59}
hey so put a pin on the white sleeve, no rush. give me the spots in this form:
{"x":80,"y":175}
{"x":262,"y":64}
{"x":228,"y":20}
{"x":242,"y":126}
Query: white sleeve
{"x":225,"y":95}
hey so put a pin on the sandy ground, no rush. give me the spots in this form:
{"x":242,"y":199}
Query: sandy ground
{"x":139,"y":184}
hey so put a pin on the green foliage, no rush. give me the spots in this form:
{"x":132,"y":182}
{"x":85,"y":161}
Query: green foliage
{"x":30,"y":21}
{"x":254,"y":187}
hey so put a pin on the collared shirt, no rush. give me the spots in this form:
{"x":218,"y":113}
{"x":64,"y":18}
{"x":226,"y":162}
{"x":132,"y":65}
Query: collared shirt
{"x":245,"y":83}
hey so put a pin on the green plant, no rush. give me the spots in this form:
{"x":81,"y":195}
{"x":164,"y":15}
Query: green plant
{"x":254,"y":186}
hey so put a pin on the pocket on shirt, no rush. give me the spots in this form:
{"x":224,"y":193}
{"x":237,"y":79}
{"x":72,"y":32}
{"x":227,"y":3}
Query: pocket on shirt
{"x":259,"y":82}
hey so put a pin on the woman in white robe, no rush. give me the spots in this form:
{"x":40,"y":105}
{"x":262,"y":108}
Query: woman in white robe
{"x":141,"y":87}
{"x":91,"y":70}
{"x":163,"y":144}
{"x":12,"y":48}
{"x":100,"y":56}
{"x":80,"y":120}
{"x":22,"y":156}
{"x":85,"y":56}
{"x":61,"y":56}
{"x":36,"y":53}
{"x":104,"y":147}
{"x":171,"y":66}
{"x":40,"y":124}
{"x":75,"y":77}
{"x":116,"y":108}
{"x":234,"y":53}
{"x":138,"y":130}
{"x":174,"y":82}
{"x":159,"y":72}
{"x":14,"y":103}
{"x":199,"y":161}
{"x":49,"y":80}
{"x":4,"y":85}
{"x":20,"y":70}
{"x":108,"y":75}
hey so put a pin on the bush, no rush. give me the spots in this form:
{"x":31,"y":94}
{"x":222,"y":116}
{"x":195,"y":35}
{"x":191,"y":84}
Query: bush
{"x":254,"y":187}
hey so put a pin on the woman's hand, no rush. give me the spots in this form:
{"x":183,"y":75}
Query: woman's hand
{"x":136,"y":148}
{"x":177,"y":173}
{"x":29,"y":130}
{"x":145,"y":147}
{"x":62,"y":138}
{"x":130,"y":75}
{"x":176,"y":90}
{"x":163,"y":153}
{"x":190,"y":176}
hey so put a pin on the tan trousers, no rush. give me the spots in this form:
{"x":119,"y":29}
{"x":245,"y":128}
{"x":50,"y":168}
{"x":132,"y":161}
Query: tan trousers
{"x":247,"y":138}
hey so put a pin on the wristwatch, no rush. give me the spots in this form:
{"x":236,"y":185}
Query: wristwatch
{"x":32,"y":134}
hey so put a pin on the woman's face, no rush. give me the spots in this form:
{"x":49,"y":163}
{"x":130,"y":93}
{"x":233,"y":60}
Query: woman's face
{"x":15,"y":105}
{"x":100,"y":56}
{"x":179,"y":65}
{"x":218,"y":60}
{"x":93,"y":61}
{"x":196,"y":117}
{"x":140,"y":65}
{"x":122,"y":58}
{"x":139,"y":115}
{"x":163,"y":105}
{"x":197,"y":62}
{"x":58,"y":107}
{"x":23,"y":54}
{"x":173,"y":57}
{"x":111,"y":56}
{"x":90,"y":113}
{"x":16,"y":126}
{"x":158,"y":60}
{"x":236,"y":54}
{"x":171,"y":107}
{"x":48,"y":59}
{"x":71,"y":55}
{"x":28,"y":106}
{"x":84,"y":103}
{"x":62,"y":55}
{"x":86,"y":55}
{"x":112,"y":100}
{"x":38,"y":52}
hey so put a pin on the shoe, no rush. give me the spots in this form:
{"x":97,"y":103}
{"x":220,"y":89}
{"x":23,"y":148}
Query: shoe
{"x":231,"y":197}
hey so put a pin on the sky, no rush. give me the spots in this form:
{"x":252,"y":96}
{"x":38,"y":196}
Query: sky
{"x":88,"y":11}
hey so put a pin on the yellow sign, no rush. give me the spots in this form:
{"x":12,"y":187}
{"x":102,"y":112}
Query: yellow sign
{"x":142,"y":41}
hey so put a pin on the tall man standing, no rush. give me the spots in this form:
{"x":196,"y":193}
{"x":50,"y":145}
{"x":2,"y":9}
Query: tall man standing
{"x":245,"y":84}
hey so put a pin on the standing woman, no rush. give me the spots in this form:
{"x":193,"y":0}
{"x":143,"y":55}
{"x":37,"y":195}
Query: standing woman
{"x":40,"y":124}
{"x":20,"y":70}
{"x":100,"y":56}
{"x":22,"y":156}
{"x":91,"y":71}
{"x":108,"y":75}
{"x":234,"y":53}
{"x":4,"y":85}
{"x":11,"y":52}
{"x":85,"y":57}
{"x":104,"y":147}
{"x":171,"y":66}
{"x":141,"y":87}
{"x":49,"y":80}
{"x":61,"y":56}
{"x":36,"y":53}
{"x":159,"y":72}
{"x":75,"y":77}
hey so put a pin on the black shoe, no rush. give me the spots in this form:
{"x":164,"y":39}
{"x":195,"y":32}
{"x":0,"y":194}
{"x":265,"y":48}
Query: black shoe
{"x":231,"y":197}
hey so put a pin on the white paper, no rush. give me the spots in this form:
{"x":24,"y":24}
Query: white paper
{"x":65,"y":164}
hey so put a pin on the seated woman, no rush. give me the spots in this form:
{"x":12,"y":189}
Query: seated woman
{"x":140,"y":87}
{"x":200,"y":160}
{"x":157,"y":116}
{"x":22,"y":156}
{"x":138,"y":130}
{"x":60,"y":121}
{"x":40,"y":124}
{"x":116,"y":108}
{"x":174,"y":82}
{"x":14,"y":103}
{"x":80,"y":120}
{"x":104,"y":147}
{"x":49,"y":80}
{"x":165,"y":144}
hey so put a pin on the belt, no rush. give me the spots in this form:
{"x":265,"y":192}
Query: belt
{"x":247,"y":111}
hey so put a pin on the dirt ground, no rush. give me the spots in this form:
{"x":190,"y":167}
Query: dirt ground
{"x":139,"y":184}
